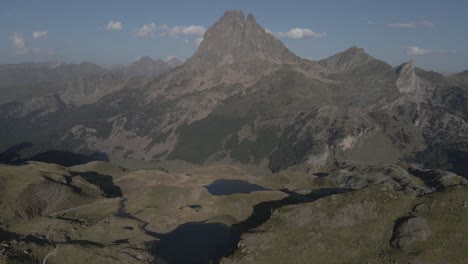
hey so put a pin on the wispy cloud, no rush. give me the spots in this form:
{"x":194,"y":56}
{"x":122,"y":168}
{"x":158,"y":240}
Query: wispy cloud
{"x":39,"y":34}
{"x":150,"y":30}
{"x":114,"y":25}
{"x":19,"y":43}
{"x":422,"y":51}
{"x":402,"y":25}
{"x":427,"y":23}
{"x":371,"y":22}
{"x":184,"y":30}
{"x":146,"y":31}
{"x":300,"y":33}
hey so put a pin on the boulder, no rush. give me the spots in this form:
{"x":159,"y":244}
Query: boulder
{"x":409,"y":230}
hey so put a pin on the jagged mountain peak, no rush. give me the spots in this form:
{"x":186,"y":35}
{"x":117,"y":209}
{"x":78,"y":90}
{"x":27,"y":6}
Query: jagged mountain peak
{"x":147,"y":66}
{"x":346,"y":60}
{"x":145,"y":58}
{"x":233,"y":38}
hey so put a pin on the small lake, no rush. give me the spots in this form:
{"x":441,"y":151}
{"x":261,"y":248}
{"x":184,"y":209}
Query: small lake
{"x":226,"y":187}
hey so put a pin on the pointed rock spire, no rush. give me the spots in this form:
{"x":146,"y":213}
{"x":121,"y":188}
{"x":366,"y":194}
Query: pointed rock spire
{"x":235,"y":39}
{"x":408,"y":81}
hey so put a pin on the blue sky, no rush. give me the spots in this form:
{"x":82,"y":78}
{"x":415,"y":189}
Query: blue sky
{"x":432,"y":33}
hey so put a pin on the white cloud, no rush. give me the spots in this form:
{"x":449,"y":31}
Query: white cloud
{"x":114,"y":25}
{"x":268,"y":31}
{"x":39,"y":34}
{"x":150,"y":30}
{"x":402,"y":25}
{"x":300,"y":33}
{"x":417,"y":51}
{"x":184,"y":30}
{"x":421,"y":51}
{"x":19,"y":43}
{"x":427,"y":23}
{"x":146,"y":31}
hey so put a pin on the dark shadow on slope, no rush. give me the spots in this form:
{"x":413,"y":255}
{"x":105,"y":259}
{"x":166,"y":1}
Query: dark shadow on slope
{"x":12,"y":155}
{"x":68,"y":159}
{"x":20,"y":153}
{"x":104,"y":182}
{"x":451,"y":157}
{"x":427,"y":176}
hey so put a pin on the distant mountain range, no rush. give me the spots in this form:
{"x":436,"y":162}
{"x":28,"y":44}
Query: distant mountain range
{"x":75,"y":83}
{"x":242,"y":98}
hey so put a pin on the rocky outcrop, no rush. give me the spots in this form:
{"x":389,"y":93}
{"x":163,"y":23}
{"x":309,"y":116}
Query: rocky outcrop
{"x":358,"y":176}
{"x":409,"y":83}
{"x":408,"y":231}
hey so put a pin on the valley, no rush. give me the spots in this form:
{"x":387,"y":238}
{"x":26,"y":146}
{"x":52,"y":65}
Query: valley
{"x":243,"y":153}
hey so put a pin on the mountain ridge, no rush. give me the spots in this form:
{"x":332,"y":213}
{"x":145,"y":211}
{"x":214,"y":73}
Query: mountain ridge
{"x":244,"y":98}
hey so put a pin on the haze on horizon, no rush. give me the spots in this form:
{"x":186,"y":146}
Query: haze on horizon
{"x":431,"y":33}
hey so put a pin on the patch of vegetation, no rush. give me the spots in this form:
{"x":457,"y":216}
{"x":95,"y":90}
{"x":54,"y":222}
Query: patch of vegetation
{"x":201,"y":139}
{"x":255,"y":151}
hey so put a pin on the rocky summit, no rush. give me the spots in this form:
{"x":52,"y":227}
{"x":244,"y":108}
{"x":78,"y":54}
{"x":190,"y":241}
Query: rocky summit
{"x":346,"y":160}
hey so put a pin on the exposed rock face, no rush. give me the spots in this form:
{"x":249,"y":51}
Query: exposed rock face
{"x":408,"y":231}
{"x":408,"y":81}
{"x":234,"y":39}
